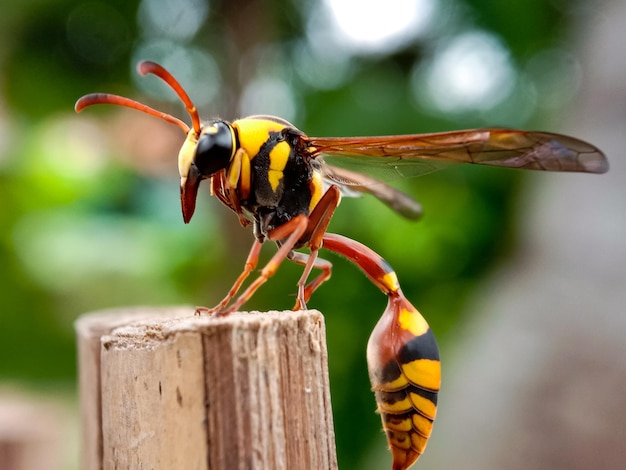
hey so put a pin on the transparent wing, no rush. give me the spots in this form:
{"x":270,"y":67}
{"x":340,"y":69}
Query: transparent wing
{"x":354,"y":184}
{"x":414,"y":155}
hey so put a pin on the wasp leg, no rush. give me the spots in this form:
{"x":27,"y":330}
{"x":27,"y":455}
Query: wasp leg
{"x":251,"y":263}
{"x":318,"y":223}
{"x":225,"y":190}
{"x":319,"y":218}
{"x":309,"y":262}
{"x":402,"y":358}
{"x":290,"y":232}
{"x":301,"y":229}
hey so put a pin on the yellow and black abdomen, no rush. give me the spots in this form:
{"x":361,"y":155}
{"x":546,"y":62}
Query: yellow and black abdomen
{"x":402,"y":358}
{"x":405,"y":372}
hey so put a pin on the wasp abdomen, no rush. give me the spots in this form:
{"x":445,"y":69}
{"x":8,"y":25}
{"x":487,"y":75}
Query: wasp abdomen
{"x":405,"y":373}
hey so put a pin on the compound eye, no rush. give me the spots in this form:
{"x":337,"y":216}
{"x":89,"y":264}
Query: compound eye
{"x":214,"y":149}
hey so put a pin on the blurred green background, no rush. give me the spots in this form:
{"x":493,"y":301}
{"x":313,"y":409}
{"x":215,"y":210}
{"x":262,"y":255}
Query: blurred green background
{"x":89,"y":208}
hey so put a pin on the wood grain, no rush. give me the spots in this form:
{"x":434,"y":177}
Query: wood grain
{"x":161,"y":388}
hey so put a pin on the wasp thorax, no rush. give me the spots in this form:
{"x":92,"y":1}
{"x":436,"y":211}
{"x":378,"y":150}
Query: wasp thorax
{"x":214,"y":149}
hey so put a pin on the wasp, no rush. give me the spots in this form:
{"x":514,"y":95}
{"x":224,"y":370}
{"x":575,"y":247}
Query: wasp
{"x":287,"y":185}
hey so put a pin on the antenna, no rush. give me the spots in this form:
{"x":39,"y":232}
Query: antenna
{"x":144,"y":68}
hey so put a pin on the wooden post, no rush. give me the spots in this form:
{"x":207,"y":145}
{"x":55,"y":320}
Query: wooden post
{"x":161,"y":388}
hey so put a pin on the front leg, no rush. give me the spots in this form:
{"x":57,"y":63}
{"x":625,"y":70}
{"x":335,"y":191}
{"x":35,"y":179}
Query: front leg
{"x":290,"y":232}
{"x":251,"y":263}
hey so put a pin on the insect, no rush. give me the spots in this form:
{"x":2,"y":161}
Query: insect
{"x":287,"y":186}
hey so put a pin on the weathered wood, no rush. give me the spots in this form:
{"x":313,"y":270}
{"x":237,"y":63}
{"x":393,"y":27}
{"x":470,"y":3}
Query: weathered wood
{"x":89,"y":329}
{"x":171,"y":390}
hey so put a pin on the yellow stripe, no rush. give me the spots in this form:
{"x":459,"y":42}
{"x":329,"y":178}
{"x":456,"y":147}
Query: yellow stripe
{"x":279,"y":156}
{"x":401,"y":440}
{"x":397,"y":384}
{"x":424,"y":405}
{"x":390,"y":280}
{"x":274,"y":178}
{"x":244,"y":177}
{"x":419,"y":442}
{"x":254,"y":132}
{"x":396,"y":423}
{"x":397,"y":407}
{"x":413,"y":321}
{"x":422,"y":425}
{"x":318,"y":187}
{"x":234,"y":170}
{"x":425,"y":373}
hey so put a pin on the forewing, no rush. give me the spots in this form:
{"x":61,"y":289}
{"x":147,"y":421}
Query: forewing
{"x":417,"y":154}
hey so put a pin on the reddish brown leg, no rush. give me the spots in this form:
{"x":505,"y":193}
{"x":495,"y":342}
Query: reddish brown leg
{"x":251,"y":262}
{"x":291,"y":232}
{"x":318,"y":223}
{"x":319,"y":218}
{"x":300,"y":229}
{"x":309,"y":262}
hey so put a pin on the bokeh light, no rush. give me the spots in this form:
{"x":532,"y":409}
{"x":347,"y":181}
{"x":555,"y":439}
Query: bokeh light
{"x":173,"y":19}
{"x":469,"y":72}
{"x":195,"y":69}
{"x":377,"y":27}
{"x":268,"y":95}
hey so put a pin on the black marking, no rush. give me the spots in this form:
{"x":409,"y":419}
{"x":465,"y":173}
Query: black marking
{"x":292,"y":197}
{"x":389,"y":373}
{"x":395,"y":420}
{"x":385,"y":266}
{"x":420,"y":347}
{"x":428,"y":394}
{"x":179,"y":397}
{"x":391,"y":398}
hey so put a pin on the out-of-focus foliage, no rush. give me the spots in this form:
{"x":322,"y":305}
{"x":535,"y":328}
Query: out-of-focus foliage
{"x":89,"y":212}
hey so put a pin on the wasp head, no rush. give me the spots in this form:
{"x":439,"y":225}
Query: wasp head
{"x":206,"y":150}
{"x":202,"y":156}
